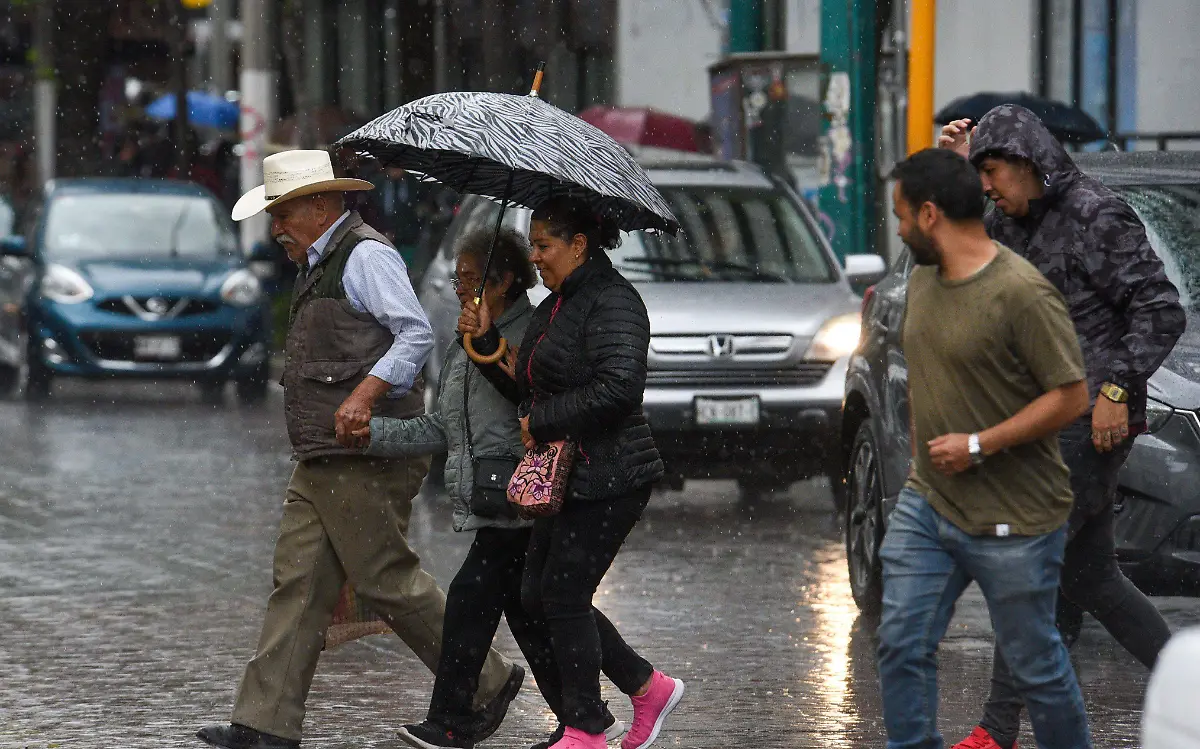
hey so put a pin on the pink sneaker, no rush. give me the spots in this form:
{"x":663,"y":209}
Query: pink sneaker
{"x":573,"y":738}
{"x":650,"y":710}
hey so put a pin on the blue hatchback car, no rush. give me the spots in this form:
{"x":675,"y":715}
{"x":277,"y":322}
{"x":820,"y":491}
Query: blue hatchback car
{"x":141,"y":278}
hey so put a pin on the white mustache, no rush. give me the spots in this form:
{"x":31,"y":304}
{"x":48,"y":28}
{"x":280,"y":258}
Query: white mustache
{"x":284,"y":239}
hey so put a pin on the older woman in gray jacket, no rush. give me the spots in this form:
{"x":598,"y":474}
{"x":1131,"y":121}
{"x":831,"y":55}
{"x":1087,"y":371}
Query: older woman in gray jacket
{"x":477,"y":427}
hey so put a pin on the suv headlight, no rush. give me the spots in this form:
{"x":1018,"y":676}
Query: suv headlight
{"x":61,"y":284}
{"x":1157,"y":414}
{"x":838,"y":337}
{"x":241,"y":289}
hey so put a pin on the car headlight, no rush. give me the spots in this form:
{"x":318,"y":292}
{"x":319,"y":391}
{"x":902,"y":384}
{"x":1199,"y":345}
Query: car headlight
{"x":1157,"y":415}
{"x":838,"y":337}
{"x":61,"y":284}
{"x":241,"y":289}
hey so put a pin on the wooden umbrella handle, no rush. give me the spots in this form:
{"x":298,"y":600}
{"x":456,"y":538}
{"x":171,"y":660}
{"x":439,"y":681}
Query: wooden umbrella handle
{"x":478,"y":358}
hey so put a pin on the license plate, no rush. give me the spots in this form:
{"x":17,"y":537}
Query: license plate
{"x":727,"y":411}
{"x":160,"y":347}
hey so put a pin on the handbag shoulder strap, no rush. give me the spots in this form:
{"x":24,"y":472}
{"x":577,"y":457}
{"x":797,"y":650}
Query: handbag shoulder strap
{"x":466,"y":410}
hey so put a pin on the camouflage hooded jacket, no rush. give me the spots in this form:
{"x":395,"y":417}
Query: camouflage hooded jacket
{"x":1091,"y":245}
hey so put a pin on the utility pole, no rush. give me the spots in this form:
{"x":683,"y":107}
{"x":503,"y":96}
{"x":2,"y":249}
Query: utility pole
{"x":849,"y":51}
{"x":220,"y":67}
{"x":45,"y":91}
{"x":179,"y":128}
{"x":258,"y":86}
{"x":745,"y":26}
{"x":920,"y":74}
{"x":441,"y":56}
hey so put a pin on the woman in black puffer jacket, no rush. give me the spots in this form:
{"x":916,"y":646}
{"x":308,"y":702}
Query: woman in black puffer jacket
{"x":579,"y":375}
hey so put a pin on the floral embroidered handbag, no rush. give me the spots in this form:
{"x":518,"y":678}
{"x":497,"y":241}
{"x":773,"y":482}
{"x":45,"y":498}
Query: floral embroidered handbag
{"x":539,"y":484}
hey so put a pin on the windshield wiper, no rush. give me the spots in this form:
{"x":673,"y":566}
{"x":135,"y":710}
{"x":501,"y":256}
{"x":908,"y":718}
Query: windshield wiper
{"x":709,"y":266}
{"x":175,"y":227}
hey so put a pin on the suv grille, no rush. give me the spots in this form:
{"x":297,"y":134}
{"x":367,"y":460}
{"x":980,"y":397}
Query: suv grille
{"x":807,"y":373}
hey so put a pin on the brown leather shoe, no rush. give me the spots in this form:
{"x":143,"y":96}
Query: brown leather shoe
{"x":234,"y":736}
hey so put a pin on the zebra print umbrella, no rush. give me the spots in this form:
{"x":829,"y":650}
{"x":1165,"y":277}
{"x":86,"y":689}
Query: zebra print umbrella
{"x":517,"y":149}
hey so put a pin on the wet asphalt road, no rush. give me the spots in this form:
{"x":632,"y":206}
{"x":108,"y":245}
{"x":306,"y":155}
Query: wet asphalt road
{"x":136,"y":529}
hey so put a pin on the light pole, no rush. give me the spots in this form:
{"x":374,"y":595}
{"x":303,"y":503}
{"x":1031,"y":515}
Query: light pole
{"x":258,"y":104}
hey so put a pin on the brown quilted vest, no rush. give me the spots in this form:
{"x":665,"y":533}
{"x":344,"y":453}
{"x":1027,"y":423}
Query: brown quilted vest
{"x":331,"y":348}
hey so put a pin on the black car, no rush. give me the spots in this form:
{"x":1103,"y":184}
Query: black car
{"x":1158,"y":508}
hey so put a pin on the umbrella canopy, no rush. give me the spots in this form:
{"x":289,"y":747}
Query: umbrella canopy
{"x":207,"y":110}
{"x":517,"y":149}
{"x":642,"y":126}
{"x":1066,"y":122}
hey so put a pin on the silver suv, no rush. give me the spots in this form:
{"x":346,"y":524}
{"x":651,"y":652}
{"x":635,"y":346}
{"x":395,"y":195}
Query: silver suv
{"x":752,"y":323}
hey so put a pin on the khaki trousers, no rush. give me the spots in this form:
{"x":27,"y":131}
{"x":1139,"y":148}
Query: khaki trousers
{"x":344,"y":518}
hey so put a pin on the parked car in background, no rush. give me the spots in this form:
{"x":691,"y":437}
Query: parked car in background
{"x":752,"y":322}
{"x":139,"y":278}
{"x":1158,"y":508}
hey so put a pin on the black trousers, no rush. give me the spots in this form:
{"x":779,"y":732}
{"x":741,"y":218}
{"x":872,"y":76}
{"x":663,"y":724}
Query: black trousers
{"x":1091,"y":578}
{"x":487,"y":585}
{"x":569,"y":555}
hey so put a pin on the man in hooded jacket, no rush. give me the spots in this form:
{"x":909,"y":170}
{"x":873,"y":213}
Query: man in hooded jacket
{"x":1092,"y":246}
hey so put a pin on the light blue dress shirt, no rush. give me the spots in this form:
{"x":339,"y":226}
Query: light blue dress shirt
{"x":376,"y":282}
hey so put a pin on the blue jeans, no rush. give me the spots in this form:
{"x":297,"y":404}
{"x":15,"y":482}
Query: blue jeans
{"x":927,"y":564}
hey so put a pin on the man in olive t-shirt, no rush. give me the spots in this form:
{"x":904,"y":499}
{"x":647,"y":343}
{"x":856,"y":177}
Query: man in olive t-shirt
{"x":994,"y":372}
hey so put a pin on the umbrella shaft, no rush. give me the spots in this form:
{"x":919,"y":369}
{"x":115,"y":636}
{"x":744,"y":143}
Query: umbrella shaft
{"x":487,"y":266}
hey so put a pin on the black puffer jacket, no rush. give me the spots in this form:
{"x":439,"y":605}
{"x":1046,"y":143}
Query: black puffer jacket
{"x":1090,"y":244}
{"x":581,"y":373}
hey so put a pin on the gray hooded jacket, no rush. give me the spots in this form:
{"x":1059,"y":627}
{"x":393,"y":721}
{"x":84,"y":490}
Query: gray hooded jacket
{"x":495,"y":430}
{"x":1092,"y":246}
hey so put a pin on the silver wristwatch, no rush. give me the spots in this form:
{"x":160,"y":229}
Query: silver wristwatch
{"x":974,"y":449}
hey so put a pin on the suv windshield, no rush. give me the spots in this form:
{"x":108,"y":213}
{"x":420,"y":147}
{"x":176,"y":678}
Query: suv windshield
{"x":101,"y":225}
{"x":729,"y":234}
{"x":1171,"y":214}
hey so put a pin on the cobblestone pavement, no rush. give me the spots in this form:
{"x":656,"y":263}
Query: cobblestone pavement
{"x":136,"y":528}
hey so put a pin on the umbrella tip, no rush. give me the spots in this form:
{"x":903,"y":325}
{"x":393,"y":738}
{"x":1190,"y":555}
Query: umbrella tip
{"x":537,"y":79}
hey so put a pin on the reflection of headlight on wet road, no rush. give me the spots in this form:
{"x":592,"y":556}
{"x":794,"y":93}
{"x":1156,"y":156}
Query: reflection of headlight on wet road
{"x":838,"y":337}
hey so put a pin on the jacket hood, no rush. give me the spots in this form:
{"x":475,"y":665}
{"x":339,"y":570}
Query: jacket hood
{"x":1011,"y":130}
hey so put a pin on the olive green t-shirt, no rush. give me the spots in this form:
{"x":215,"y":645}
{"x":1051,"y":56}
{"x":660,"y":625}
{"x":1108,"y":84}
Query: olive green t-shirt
{"x":979,"y":350}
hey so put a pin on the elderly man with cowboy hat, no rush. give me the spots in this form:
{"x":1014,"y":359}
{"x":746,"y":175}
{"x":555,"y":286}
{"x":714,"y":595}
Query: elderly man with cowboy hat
{"x":357,"y":340}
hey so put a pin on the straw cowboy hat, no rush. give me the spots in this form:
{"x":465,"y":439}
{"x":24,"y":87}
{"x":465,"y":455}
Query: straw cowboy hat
{"x":291,"y":174}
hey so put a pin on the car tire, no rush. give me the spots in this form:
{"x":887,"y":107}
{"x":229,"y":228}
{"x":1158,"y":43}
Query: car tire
{"x":864,"y":521}
{"x":38,"y":379}
{"x":753,"y":490}
{"x":253,"y":389}
{"x":212,"y":392}
{"x":10,"y":381}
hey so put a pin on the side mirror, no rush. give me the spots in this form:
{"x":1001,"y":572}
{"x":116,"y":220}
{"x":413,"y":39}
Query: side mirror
{"x":14,"y":246}
{"x":865,"y":270}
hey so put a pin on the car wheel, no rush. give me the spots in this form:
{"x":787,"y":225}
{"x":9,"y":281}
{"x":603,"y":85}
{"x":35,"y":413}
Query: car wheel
{"x":212,"y":392}
{"x":10,"y":381}
{"x":864,"y":521}
{"x":38,"y":379}
{"x":753,"y":490}
{"x":253,"y":389}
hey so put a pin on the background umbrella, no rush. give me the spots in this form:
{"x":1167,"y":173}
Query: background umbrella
{"x":644,"y":127}
{"x":206,"y":110}
{"x":1066,"y":122}
{"x":518,"y":150}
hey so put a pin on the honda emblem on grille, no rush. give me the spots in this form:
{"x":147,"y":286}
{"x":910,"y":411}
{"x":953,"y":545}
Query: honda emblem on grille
{"x":720,"y":346}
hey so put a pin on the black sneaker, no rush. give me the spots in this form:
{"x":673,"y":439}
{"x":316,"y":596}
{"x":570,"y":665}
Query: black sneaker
{"x":430,"y":735}
{"x":234,"y":736}
{"x":492,"y":714}
{"x":613,"y":730}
